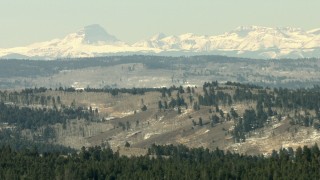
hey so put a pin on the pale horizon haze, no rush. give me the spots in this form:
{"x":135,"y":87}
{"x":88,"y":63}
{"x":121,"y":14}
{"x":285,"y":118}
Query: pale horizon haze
{"x":27,"y":21}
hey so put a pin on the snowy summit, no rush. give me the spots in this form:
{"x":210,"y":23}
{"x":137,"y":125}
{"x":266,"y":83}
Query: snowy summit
{"x":243,"y":41}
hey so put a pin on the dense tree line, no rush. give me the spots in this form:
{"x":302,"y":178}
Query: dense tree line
{"x":30,"y":97}
{"x":268,"y":102}
{"x":133,"y":91}
{"x":162,"y":162}
{"x":116,"y":91}
{"x":32,"y":118}
{"x":281,"y":97}
{"x":17,"y":142}
{"x":27,"y":68}
{"x":241,"y":85}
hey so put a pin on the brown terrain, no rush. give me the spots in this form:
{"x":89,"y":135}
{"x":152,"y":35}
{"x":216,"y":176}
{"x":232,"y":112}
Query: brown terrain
{"x":143,"y":128}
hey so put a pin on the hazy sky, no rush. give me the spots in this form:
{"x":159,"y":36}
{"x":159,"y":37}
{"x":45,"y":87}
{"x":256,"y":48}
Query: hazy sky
{"x":25,"y":21}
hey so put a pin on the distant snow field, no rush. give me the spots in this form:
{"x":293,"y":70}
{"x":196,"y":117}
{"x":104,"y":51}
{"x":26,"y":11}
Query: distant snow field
{"x":244,"y":41}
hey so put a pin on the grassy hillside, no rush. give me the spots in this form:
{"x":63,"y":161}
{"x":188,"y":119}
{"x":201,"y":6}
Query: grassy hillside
{"x":232,"y":116}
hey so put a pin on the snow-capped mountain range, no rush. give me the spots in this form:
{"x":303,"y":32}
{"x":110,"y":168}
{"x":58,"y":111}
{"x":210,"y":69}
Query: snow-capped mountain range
{"x":244,"y":41}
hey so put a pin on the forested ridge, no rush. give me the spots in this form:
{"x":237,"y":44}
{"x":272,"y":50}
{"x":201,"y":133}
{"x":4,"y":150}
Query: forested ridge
{"x":36,"y":108}
{"x":32,"y":68}
{"x":32,"y":108}
{"x":162,"y":162}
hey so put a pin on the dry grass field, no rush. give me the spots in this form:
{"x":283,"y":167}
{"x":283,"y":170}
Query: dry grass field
{"x":143,"y":128}
{"x":121,"y":120}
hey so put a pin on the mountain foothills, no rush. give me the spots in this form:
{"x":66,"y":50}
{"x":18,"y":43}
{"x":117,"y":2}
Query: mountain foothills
{"x":244,"y":41}
{"x":235,"y":117}
{"x":214,"y":131}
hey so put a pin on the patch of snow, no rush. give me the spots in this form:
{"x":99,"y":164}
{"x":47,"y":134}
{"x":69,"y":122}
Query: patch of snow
{"x":148,"y":135}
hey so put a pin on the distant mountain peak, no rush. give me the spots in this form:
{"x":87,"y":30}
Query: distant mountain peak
{"x":95,"y":33}
{"x":243,"y":31}
{"x":284,"y":32}
{"x":248,"y":28}
{"x":188,"y":35}
{"x":158,"y":36}
{"x":263,"y":28}
{"x":289,"y":29}
{"x":244,"y":41}
{"x":315,"y":31}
